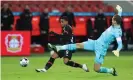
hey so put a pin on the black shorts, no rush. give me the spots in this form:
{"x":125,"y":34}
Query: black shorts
{"x":65,"y":54}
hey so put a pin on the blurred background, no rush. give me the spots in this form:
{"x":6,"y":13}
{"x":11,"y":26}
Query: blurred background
{"x":88,"y":19}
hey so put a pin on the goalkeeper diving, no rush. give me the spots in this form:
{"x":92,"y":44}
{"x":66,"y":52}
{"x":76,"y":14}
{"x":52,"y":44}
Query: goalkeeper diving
{"x":101,"y":45}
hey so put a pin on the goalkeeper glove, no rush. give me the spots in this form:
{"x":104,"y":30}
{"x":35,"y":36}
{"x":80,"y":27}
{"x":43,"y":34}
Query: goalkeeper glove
{"x":116,"y":53}
{"x":119,"y":8}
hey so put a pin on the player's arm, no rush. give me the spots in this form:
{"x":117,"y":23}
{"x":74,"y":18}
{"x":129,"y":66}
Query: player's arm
{"x":118,"y":35}
{"x":68,"y":31}
{"x":119,"y":42}
{"x":55,"y":34}
{"x":119,"y":10}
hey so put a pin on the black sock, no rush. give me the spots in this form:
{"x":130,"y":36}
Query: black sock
{"x":49,"y":63}
{"x":73,"y":64}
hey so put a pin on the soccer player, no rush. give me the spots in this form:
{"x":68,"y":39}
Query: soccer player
{"x":100,"y":45}
{"x":66,"y":38}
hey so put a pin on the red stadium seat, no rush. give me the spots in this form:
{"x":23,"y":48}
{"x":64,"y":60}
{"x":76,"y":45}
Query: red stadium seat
{"x":127,"y":22}
{"x":14,"y":2}
{"x":41,"y":8}
{"x":94,"y":8}
{"x":74,"y":2}
{"x":49,"y":4}
{"x":82,"y":2}
{"x":34,"y":8}
{"x":61,"y":8}
{"x":80,"y":20}
{"x":80,"y":29}
{"x":85,"y":8}
{"x":55,"y":24}
{"x":110,"y":9}
{"x":16,"y":8}
{"x":35,"y":26}
{"x":61,"y":2}
{"x":78,"y":9}
{"x":66,"y":2}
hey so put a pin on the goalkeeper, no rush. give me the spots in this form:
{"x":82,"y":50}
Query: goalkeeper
{"x":101,"y":45}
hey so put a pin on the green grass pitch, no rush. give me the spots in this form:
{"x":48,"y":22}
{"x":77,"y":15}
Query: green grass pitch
{"x":11,"y":70}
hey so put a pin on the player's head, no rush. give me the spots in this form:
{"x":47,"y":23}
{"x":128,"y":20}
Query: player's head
{"x":116,"y":20}
{"x":27,"y":7}
{"x":45,"y":10}
{"x":64,"y":21}
{"x":100,"y":11}
{"x":5,"y":6}
{"x":69,"y":8}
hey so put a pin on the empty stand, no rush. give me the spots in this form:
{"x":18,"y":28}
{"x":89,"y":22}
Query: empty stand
{"x":79,"y":6}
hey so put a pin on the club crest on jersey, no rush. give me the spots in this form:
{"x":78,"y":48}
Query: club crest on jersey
{"x":14,"y":42}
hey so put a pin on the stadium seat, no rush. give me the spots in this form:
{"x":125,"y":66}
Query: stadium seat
{"x":80,"y":29}
{"x":110,"y":8}
{"x":50,"y":4}
{"x":61,"y":2}
{"x":127,"y":22}
{"x":41,"y":7}
{"x":34,"y":8}
{"x":85,"y":8}
{"x":78,"y":9}
{"x":61,"y":8}
{"x":94,"y":8}
{"x":55,"y":24}
{"x":35,"y":26}
{"x":14,"y":2}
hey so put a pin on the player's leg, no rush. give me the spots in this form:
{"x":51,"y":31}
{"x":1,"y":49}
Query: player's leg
{"x":71,"y":63}
{"x":49,"y":63}
{"x":87,"y":45}
{"x":65,"y":47}
{"x":71,"y":46}
{"x":98,"y":68}
{"x":51,"y":60}
{"x":68,"y":62}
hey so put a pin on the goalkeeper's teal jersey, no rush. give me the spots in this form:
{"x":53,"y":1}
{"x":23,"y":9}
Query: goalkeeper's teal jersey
{"x":109,"y":36}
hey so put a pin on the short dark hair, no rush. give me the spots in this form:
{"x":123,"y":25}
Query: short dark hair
{"x":117,"y":18}
{"x":65,"y":18}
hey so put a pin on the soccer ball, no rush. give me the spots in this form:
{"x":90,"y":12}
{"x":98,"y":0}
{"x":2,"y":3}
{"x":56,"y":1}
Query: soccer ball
{"x":24,"y":62}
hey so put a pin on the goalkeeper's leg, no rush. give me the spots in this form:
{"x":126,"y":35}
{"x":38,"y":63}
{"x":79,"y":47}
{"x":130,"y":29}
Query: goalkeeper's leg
{"x":99,"y":69}
{"x":87,"y":45}
{"x":97,"y":65}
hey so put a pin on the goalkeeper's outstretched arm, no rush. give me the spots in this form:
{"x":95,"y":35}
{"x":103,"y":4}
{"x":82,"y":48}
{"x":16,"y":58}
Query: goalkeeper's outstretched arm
{"x":119,"y":42}
{"x":118,"y":39}
{"x":119,"y":10}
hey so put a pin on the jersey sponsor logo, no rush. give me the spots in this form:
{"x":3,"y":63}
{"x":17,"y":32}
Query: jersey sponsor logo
{"x":72,"y":39}
{"x":14,"y":42}
{"x":67,"y":52}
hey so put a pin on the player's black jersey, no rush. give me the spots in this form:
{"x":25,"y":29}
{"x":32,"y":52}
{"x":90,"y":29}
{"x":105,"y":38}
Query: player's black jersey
{"x":67,"y":35}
